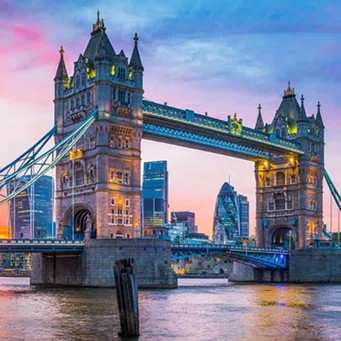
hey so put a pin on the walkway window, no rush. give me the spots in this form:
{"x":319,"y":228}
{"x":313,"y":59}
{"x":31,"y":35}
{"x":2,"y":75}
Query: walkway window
{"x":280,"y":179}
{"x":121,"y":96}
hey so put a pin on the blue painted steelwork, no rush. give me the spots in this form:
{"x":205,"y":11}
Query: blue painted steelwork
{"x":161,"y":115}
{"x":39,"y":245}
{"x":185,"y":136}
{"x":36,"y":164}
{"x":255,"y":257}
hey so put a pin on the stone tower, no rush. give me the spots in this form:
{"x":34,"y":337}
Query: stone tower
{"x":289,"y":189}
{"x":98,"y":184}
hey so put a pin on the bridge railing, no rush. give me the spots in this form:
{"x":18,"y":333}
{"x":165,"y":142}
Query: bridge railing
{"x":39,"y":242}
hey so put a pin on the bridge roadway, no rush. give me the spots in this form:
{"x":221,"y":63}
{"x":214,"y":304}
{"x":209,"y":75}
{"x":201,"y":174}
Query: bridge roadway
{"x":255,"y":257}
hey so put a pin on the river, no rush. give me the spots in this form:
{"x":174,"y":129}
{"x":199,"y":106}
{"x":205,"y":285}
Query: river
{"x":199,"y":310}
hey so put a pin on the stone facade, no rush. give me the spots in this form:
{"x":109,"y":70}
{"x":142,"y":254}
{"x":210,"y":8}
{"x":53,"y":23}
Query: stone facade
{"x":94,"y":267}
{"x":98,"y":184}
{"x":289,"y":188}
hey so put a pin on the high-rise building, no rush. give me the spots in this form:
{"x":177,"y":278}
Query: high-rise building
{"x":31,"y":212}
{"x":188,"y":218}
{"x":243,"y":205}
{"x":155,"y":197}
{"x":231,"y":215}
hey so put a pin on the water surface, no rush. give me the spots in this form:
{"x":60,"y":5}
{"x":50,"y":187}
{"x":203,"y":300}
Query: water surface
{"x":200,"y":310}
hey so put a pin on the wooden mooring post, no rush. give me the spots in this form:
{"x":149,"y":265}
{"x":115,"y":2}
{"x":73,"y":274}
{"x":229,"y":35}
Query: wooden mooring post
{"x":127,"y":297}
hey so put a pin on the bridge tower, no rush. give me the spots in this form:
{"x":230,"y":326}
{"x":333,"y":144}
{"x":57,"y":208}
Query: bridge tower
{"x":289,"y":188}
{"x":98,"y":184}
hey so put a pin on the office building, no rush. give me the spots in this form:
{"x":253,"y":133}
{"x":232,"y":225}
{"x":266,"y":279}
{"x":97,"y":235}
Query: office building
{"x":155,"y":198}
{"x":188,"y":218}
{"x":31,"y":212}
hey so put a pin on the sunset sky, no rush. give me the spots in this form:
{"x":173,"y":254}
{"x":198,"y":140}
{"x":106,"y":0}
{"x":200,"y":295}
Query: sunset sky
{"x":216,"y":56}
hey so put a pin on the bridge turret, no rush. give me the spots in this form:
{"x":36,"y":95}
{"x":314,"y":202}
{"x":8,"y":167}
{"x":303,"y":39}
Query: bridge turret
{"x":135,"y":66}
{"x":302,"y":121}
{"x":260,"y":123}
{"x":61,"y":82}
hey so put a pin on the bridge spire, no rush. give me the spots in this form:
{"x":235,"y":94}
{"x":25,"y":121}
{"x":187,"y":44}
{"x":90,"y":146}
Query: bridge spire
{"x":135,"y":60}
{"x":302,"y":116}
{"x":98,"y":25}
{"x":289,"y":92}
{"x":319,"y":120}
{"x":61,"y":73}
{"x":260,"y":122}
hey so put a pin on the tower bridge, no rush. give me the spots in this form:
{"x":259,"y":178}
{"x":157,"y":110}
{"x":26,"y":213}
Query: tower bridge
{"x":101,"y":118}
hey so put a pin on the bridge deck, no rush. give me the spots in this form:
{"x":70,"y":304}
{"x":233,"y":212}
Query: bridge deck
{"x":39,"y":246}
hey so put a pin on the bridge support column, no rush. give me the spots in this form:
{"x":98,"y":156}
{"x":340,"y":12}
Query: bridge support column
{"x":94,"y":267}
{"x":245,"y":273}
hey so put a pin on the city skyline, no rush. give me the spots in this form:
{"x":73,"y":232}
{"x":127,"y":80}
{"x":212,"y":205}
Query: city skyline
{"x":229,"y":75}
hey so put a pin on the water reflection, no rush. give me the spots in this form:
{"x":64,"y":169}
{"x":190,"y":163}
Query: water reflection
{"x":200,"y":310}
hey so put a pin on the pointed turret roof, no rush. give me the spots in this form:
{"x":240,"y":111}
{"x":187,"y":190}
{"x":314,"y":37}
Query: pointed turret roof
{"x":135,"y":60}
{"x":289,"y":109}
{"x":102,"y":51}
{"x":98,"y":36}
{"x":302,"y":116}
{"x":319,"y":120}
{"x":61,"y":73}
{"x":260,"y":122}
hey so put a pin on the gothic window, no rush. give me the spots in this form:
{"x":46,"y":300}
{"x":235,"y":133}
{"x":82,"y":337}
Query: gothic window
{"x":271,"y":206}
{"x":79,"y":175}
{"x":121,"y":73}
{"x":267,"y":182}
{"x":74,"y":103}
{"x":88,"y":99}
{"x":127,"y":142}
{"x":278,"y":133}
{"x":78,"y":101}
{"x":129,"y":97}
{"x":121,"y":96}
{"x":83,"y":80}
{"x":119,"y":177}
{"x":112,"y":201}
{"x":292,"y":179}
{"x":280,"y":201}
{"x":112,"y":140}
{"x":126,"y":178}
{"x":119,"y":142}
{"x":119,"y":210}
{"x":280,"y":179}
{"x":127,"y":202}
{"x":283,"y":132}
{"x":82,"y":100}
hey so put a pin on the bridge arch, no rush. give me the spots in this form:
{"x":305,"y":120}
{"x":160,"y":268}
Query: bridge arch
{"x":77,"y":220}
{"x":284,"y":236}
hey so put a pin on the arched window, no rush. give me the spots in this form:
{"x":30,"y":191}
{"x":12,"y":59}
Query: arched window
{"x":278,"y":132}
{"x":283,"y":132}
{"x":280,"y":201}
{"x":280,"y":179}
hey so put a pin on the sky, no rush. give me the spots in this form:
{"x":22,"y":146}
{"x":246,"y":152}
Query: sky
{"x":218,"y":57}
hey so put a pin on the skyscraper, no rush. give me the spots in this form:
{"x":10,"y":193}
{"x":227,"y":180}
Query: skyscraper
{"x":155,"y":197}
{"x":243,"y":205}
{"x":31,"y":212}
{"x":188,"y":218}
{"x":231,"y":215}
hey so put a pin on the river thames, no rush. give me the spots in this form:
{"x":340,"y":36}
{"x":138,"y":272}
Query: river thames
{"x":200,"y":310}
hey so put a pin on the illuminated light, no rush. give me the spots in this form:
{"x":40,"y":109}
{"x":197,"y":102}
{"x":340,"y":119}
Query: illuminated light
{"x":113,"y":69}
{"x":76,"y":155}
{"x":131,"y":75}
{"x":266,"y":165}
{"x":91,"y":73}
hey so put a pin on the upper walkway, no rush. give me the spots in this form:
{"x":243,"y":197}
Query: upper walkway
{"x":229,"y":137}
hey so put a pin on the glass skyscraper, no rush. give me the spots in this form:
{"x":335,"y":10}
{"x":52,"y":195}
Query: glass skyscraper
{"x":155,"y":197}
{"x":231,"y":215}
{"x":31,"y":212}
